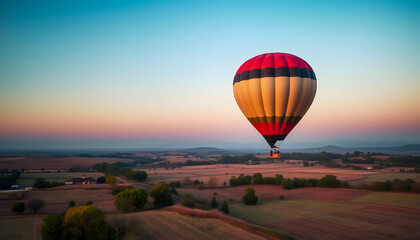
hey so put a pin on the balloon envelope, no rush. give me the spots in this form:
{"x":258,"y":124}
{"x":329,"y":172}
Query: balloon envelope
{"x":274,"y":91}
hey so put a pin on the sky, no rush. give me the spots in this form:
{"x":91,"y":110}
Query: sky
{"x":80,"y":74}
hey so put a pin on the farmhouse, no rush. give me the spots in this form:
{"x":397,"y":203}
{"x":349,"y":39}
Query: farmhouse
{"x":80,"y":181}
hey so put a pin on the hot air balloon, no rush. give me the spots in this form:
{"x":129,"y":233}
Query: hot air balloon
{"x":274,"y":91}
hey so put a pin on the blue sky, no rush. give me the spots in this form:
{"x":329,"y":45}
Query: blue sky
{"x":162,"y":70}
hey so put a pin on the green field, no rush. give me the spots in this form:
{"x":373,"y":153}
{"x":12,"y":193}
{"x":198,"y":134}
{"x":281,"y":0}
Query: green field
{"x":278,"y":210}
{"x":385,"y":177}
{"x":409,"y":200}
{"x":157,"y":178}
{"x":27,"y":179}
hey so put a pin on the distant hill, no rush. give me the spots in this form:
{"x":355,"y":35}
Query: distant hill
{"x":207,"y":150}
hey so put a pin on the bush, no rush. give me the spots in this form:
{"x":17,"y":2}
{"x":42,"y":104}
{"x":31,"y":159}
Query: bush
{"x":225,"y":207}
{"x":17,"y":207}
{"x":257,"y":178}
{"x":329,"y":181}
{"x":287,"y":183}
{"x":278,"y":179}
{"x":174,"y":184}
{"x":214,"y":203}
{"x":269,"y":180}
{"x":161,"y":194}
{"x":250,"y":198}
{"x":40,"y":183}
{"x":100,"y":180}
{"x":233,"y":181}
{"x":116,"y":190}
{"x":187,"y":200}
{"x":281,"y":197}
{"x":89,"y":203}
{"x":196,"y":182}
{"x":110,"y":179}
{"x":136,"y":175}
{"x":174,"y":191}
{"x":35,"y":204}
{"x":72,"y":203}
{"x":187,"y":181}
{"x":131,"y":200}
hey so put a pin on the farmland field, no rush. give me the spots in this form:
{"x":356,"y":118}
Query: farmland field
{"x":171,"y":225}
{"x":17,"y":228}
{"x":320,"y":220}
{"x":409,"y":200}
{"x":385,"y":177}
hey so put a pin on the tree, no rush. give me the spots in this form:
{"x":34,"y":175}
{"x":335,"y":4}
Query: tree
{"x":196,"y":182}
{"x":100,"y":180}
{"x":188,"y":200}
{"x":53,"y":227}
{"x":212,"y":182}
{"x":305,"y":163}
{"x":89,"y":203}
{"x":233,"y":181}
{"x":225,"y":207}
{"x":287,"y":183}
{"x":72,"y":203}
{"x":81,"y":220}
{"x":18,"y":207}
{"x":136,"y":175}
{"x":35,"y":204}
{"x":41,"y":183}
{"x":214,"y":203}
{"x":250,"y":198}
{"x":257,"y":178}
{"x":110,"y":179}
{"x":161,"y":194}
{"x":329,"y":181}
{"x":278,"y":178}
{"x":131,"y":200}
{"x":99,"y":229}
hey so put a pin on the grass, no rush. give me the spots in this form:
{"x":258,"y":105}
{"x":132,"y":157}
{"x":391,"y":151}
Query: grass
{"x":17,"y":228}
{"x":154,"y":178}
{"x":274,"y":211}
{"x":171,"y":225}
{"x":392,"y":199}
{"x":27,"y":179}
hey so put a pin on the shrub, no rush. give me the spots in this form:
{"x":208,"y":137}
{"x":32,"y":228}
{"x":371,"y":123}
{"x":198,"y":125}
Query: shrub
{"x":40,"y":183}
{"x":35,"y":204}
{"x":111,"y":179}
{"x":287,"y":183}
{"x":100,"y":180}
{"x":281,"y":197}
{"x":72,"y":203}
{"x":187,"y":181}
{"x":278,"y":179}
{"x":17,"y":207}
{"x":131,"y":200}
{"x":196,"y":182}
{"x":161,"y":194}
{"x":174,"y":191}
{"x":187,"y":200}
{"x":89,"y":203}
{"x":257,"y":178}
{"x":233,"y":181}
{"x":250,"y":198}
{"x":329,"y":181}
{"x":116,"y":190}
{"x":175,"y":184}
{"x":225,"y":207}
{"x":214,"y":203}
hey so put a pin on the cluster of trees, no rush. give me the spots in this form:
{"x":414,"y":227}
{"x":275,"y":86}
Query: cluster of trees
{"x":7,"y":179}
{"x":402,"y":161}
{"x":257,"y":178}
{"x":399,"y":185}
{"x":42,"y":183}
{"x":328,"y":181}
{"x":226,"y":159}
{"x":121,"y":169}
{"x":322,"y":156}
{"x":84,"y":222}
{"x":188,"y":200}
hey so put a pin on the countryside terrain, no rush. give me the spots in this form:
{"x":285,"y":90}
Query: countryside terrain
{"x":353,"y":211}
